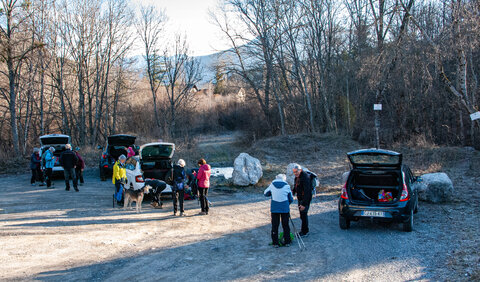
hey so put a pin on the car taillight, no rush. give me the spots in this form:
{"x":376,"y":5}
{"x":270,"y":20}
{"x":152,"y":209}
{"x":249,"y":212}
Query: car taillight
{"x":104,"y":156}
{"x":105,"y":166}
{"x":139,"y":178}
{"x":344,"y":192}
{"x":405,"y":196}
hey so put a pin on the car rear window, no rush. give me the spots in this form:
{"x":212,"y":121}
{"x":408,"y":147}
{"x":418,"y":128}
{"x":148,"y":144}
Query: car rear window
{"x":376,"y":159}
{"x":164,"y":151}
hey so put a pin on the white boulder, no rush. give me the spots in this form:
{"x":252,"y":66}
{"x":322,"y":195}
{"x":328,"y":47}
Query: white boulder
{"x":345,"y":176}
{"x":435,"y":187}
{"x":247,"y":170}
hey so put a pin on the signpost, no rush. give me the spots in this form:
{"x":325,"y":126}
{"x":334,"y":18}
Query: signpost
{"x":475,"y":116}
{"x":377,"y":108}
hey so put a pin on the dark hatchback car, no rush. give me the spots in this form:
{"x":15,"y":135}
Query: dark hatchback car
{"x":379,"y":187}
{"x":116,"y":146}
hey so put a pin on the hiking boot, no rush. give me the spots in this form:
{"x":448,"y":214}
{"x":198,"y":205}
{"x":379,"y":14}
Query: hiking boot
{"x":154,"y":204}
{"x":67,"y":189}
{"x":42,"y":184}
{"x":286,"y":245}
{"x":174,"y":213}
{"x":202,"y":213}
{"x":76,"y":190}
{"x":182,"y":214}
{"x":276,"y":246}
{"x":33,"y":184}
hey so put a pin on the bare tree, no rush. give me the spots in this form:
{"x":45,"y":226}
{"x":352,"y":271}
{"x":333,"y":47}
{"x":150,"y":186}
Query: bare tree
{"x":182,"y":73}
{"x":14,"y":14}
{"x":149,"y":27}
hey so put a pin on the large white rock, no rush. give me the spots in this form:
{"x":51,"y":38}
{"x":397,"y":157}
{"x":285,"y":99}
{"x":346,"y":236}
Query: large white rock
{"x":345,"y":177}
{"x":435,"y":187}
{"x":247,"y":170}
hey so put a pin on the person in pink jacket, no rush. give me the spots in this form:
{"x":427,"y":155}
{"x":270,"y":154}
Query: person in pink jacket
{"x":203,"y":177}
{"x":131,"y":152}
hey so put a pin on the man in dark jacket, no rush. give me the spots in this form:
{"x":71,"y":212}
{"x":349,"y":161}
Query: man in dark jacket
{"x":178,"y":188}
{"x":157,"y":187}
{"x":68,"y":160}
{"x":303,"y":189}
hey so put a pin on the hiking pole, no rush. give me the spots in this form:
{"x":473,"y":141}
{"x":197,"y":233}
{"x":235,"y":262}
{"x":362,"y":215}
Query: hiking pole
{"x":300,"y":242}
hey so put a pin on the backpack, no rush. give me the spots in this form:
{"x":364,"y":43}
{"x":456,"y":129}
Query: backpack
{"x":43,"y":161}
{"x":313,"y":181}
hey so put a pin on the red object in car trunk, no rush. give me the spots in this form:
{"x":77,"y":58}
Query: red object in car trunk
{"x":139,"y":178}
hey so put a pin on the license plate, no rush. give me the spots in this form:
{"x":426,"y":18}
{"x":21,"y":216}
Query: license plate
{"x":373,"y":213}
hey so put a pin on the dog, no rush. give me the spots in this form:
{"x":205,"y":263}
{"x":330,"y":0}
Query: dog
{"x":136,"y":196}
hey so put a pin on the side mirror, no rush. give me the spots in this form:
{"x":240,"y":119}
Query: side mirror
{"x":99,"y":147}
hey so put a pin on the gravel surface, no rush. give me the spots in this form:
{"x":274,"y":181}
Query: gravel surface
{"x":67,"y":236}
{"x":56,"y":235}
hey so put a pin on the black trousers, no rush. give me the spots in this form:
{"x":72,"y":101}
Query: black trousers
{"x":79,"y":174}
{"x":37,"y":175}
{"x":203,"y":193}
{"x":178,"y":196}
{"x":48,"y":175}
{"x":286,"y":227}
{"x":304,"y":218}
{"x":70,"y":173}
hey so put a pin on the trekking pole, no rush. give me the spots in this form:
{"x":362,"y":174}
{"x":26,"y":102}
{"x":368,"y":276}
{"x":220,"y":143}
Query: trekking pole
{"x":300,"y":242}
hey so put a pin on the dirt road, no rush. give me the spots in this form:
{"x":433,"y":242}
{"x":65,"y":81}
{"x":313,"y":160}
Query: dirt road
{"x":66,"y":236}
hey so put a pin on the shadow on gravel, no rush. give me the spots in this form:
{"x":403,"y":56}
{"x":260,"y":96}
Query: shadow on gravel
{"x":331,"y":254}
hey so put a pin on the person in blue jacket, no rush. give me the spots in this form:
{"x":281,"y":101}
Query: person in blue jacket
{"x":49,"y":163}
{"x":282,"y":197}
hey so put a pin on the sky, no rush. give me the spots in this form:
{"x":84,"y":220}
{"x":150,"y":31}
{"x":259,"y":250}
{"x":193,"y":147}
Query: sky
{"x":190,"y":17}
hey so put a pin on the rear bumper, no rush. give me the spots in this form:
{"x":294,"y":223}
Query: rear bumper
{"x":398,"y":212}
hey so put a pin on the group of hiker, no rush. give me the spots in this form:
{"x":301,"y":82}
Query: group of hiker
{"x":41,"y":165}
{"x":282,"y":196}
{"x":195,"y":183}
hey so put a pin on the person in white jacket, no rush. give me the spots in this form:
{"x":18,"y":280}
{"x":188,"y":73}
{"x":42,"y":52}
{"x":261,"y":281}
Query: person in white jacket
{"x":282,"y":197}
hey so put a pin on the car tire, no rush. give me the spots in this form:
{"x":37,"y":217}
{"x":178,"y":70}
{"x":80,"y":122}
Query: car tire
{"x":415,"y":210}
{"x":343,"y":222}
{"x":408,"y":225}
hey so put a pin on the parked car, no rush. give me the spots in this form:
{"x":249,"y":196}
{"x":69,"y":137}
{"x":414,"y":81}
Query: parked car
{"x":154,"y":161}
{"x":116,"y":146}
{"x":379,"y":187}
{"x":57,"y":141}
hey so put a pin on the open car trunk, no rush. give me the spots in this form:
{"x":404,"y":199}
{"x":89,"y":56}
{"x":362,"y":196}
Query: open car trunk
{"x":156,"y":160}
{"x":54,"y":139}
{"x":121,"y":140}
{"x":375,"y":186}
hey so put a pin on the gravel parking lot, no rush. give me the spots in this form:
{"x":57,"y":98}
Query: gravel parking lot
{"x":59,"y":235}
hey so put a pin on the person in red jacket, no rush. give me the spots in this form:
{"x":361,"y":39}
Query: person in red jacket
{"x":79,"y":167}
{"x":203,"y":177}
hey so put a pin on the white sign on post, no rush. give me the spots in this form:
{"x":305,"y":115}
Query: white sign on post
{"x":475,"y":116}
{"x":377,"y":107}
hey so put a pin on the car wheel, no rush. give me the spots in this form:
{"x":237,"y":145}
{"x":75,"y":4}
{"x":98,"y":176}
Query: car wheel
{"x":408,"y":225}
{"x":343,"y":222}
{"x":416,"y":206}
